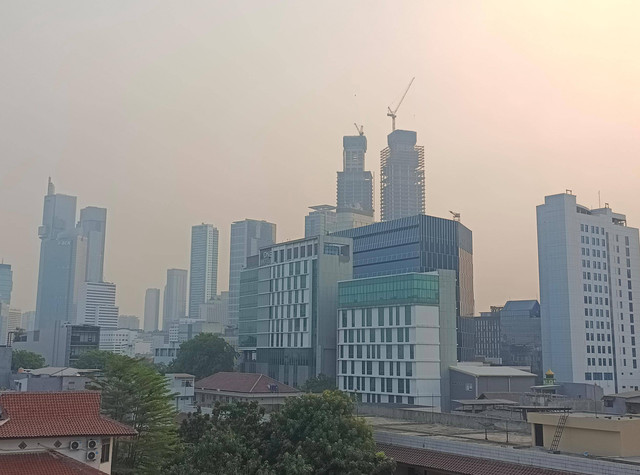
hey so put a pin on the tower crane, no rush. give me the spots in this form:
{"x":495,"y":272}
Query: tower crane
{"x":392,"y":113}
{"x":456,"y":216}
{"x":360,"y":129}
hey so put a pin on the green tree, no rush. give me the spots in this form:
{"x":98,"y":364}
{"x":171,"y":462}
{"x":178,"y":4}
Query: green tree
{"x":26,"y":360}
{"x":312,"y":434}
{"x":135,"y":394}
{"x":323,"y":431}
{"x":94,"y":359}
{"x":318,"y":384}
{"x":203,"y":356}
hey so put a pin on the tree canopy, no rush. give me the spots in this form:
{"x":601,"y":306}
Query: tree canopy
{"x":203,"y":356}
{"x":26,"y":360}
{"x":94,"y":359}
{"x":312,"y":434}
{"x":318,"y":384}
{"x":136,"y":395}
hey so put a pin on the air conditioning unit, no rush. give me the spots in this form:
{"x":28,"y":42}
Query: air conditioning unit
{"x":93,"y":455}
{"x":92,"y":444}
{"x":75,"y":445}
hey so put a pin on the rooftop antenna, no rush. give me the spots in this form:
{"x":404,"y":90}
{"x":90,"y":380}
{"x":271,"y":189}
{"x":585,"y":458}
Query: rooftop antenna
{"x":360,"y":129}
{"x":392,"y":113}
{"x":456,"y":216}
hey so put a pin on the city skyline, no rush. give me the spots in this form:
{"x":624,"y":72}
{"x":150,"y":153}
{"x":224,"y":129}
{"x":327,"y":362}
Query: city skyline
{"x":540,"y":119}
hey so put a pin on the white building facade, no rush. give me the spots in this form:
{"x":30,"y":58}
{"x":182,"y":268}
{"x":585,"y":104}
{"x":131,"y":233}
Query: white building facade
{"x":589,"y":264}
{"x":97,"y":305}
{"x":203,"y":283}
{"x":151,"y":310}
{"x":397,"y":338}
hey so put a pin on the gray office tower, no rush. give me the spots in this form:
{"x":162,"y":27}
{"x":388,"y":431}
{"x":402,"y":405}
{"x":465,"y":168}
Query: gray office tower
{"x":203,"y":283}
{"x":92,"y":225}
{"x":151,"y":310}
{"x":62,"y":260}
{"x":355,"y":185}
{"x":6,"y":283}
{"x":401,"y":177}
{"x":419,"y":244}
{"x":247,"y":237}
{"x":175,"y":297}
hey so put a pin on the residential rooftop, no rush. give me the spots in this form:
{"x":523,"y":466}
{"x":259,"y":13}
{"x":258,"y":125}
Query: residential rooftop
{"x":249,"y":383}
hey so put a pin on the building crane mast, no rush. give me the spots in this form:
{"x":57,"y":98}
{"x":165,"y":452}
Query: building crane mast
{"x":456,"y":215}
{"x":392,"y":113}
{"x":360,"y":129}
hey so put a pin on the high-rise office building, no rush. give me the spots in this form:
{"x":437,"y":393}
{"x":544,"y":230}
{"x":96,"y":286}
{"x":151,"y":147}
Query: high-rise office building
{"x":397,"y":338}
{"x":151,"y":310}
{"x":589,"y":267}
{"x":402,"y":178}
{"x":62,"y":260}
{"x":292,"y":321}
{"x":420,"y":244}
{"x":129,"y":322}
{"x":320,"y":221}
{"x":203,"y":283}
{"x":175,"y":297}
{"x":216,"y":310}
{"x":355,"y":185}
{"x":92,"y":225}
{"x":6,"y":283}
{"x":247,"y":237}
{"x":97,"y":305}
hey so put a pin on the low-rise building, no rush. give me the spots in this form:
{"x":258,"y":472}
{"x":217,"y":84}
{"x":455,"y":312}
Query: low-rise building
{"x":588,"y":433}
{"x":622,"y":403}
{"x":52,"y":379}
{"x":36,"y":426}
{"x":166,"y":353}
{"x":469,"y":381}
{"x":247,"y":387}
{"x":181,"y":386}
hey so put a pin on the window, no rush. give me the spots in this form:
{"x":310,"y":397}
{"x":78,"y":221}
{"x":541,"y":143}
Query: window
{"x":468,"y":386}
{"x":409,"y":369}
{"x":407,"y":315}
{"x":389,"y":352}
{"x":105,"y":451}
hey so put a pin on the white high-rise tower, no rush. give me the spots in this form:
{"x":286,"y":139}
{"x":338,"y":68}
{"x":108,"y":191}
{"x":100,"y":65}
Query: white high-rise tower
{"x":203,"y":281}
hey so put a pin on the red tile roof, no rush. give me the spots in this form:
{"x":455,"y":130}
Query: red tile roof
{"x":253,"y":383}
{"x":43,"y":463}
{"x":55,"y":414}
{"x":464,"y":465}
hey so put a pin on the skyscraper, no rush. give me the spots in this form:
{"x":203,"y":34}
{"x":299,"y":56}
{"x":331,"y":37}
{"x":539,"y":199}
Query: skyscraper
{"x":203,"y":283}
{"x":589,"y":265}
{"x":355,"y":185}
{"x":151,"y":310}
{"x":247,"y":237}
{"x":322,"y":220}
{"x":6,"y":283}
{"x":97,"y":305}
{"x":62,"y":260}
{"x":402,"y":177}
{"x":92,"y":225}
{"x":175,"y":297}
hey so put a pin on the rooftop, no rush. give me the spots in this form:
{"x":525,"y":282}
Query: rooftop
{"x":44,"y":463}
{"x":59,"y":371}
{"x":624,"y":395}
{"x":251,"y":383}
{"x":474,"y":370}
{"x":55,"y":414}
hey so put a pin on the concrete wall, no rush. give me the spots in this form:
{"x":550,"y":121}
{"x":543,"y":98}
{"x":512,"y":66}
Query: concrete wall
{"x":428,"y":417}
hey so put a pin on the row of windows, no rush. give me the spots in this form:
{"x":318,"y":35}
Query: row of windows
{"x":295,"y":252}
{"x":596,"y":300}
{"x":598,"y":376}
{"x":288,"y":283}
{"x":594,"y":229}
{"x":600,"y":337}
{"x":596,"y":264}
{"x":388,"y":385}
{"x":599,"y":325}
{"x":601,"y":349}
{"x":391,"y":352}
{"x":596,"y":276}
{"x":294,"y":268}
{"x":365,"y":318}
{"x":601,"y":362}
{"x":588,"y":312}
{"x":599,"y":289}
{"x":382,"y":334}
{"x":288,"y":297}
{"x":292,"y":325}
{"x":288,"y":311}
{"x":594,"y":241}
{"x":376,"y":367}
{"x":293,"y":340}
{"x":596,"y":252}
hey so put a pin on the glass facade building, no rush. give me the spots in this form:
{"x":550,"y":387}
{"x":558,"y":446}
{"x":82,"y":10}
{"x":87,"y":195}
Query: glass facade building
{"x":399,"y":289}
{"x":6,"y":283}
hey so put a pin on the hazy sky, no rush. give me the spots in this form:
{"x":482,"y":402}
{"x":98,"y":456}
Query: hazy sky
{"x":170,"y":114}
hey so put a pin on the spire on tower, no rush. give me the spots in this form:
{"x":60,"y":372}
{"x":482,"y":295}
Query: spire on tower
{"x":51,"y":189}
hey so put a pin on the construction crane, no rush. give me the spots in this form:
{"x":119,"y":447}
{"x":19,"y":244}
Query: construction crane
{"x":360,"y":129}
{"x":456,"y":216}
{"x":392,"y":113}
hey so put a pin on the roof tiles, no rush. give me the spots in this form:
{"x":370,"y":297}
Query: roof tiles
{"x":43,"y":463}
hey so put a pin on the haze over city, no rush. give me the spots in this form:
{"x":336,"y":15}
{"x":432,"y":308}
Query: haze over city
{"x":170,"y":115}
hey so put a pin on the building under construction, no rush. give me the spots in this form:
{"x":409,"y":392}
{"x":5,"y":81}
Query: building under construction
{"x":402,"y":180}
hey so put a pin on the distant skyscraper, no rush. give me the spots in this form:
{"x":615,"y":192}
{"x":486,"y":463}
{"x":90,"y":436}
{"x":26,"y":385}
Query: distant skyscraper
{"x":97,"y":305}
{"x":129,"y":322}
{"x":151,"y":310}
{"x":322,"y":220}
{"x":355,"y":185}
{"x":247,"y":237}
{"x":93,"y":223}
{"x":589,"y":267}
{"x":62,"y":260}
{"x":6,"y":283}
{"x":203,"y":283}
{"x":402,"y":177}
{"x":175,"y":297}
